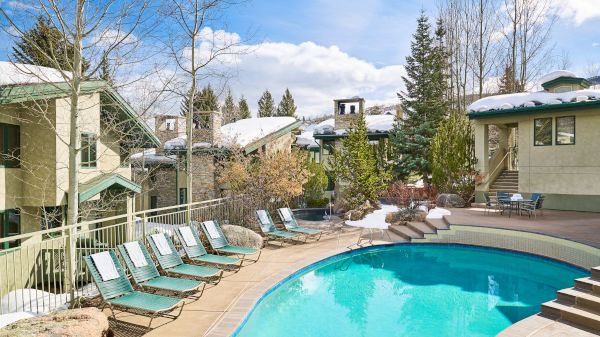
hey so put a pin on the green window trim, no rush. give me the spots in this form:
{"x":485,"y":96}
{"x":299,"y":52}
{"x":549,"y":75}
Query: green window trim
{"x":541,"y":130}
{"x":89,"y":143}
{"x":10,"y":145}
{"x":9,"y":218}
{"x":558,"y":130}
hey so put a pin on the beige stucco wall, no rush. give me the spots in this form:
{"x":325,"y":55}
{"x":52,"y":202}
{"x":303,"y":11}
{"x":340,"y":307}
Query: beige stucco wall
{"x":560,"y":171}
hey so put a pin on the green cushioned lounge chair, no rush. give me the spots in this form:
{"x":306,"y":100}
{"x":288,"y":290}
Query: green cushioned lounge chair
{"x":172,"y":263}
{"x":147,"y":277}
{"x":197,"y":253}
{"x":290,"y":223}
{"x":118,"y":294}
{"x":268,"y":228}
{"x":219,"y":242}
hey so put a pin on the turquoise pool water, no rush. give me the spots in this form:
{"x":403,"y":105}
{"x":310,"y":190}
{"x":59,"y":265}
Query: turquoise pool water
{"x":410,"y":291}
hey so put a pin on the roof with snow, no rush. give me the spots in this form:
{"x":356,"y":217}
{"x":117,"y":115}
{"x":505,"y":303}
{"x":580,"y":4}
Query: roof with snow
{"x":249,"y":134}
{"x":545,"y":100}
{"x":17,"y":74}
{"x":378,"y":126}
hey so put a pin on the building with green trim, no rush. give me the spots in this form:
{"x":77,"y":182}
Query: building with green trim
{"x":34,"y":138}
{"x":546,"y":143}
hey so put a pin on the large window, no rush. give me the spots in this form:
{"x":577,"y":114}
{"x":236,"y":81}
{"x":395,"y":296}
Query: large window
{"x":10,"y":145}
{"x":182,"y":195}
{"x":88,"y":150}
{"x":10,"y":225}
{"x":542,"y":132}
{"x":565,"y":130}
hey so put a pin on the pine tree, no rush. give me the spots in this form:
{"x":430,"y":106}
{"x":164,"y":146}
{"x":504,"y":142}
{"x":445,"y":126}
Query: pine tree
{"x":356,"y":165}
{"x":506,"y":83}
{"x":266,"y":105}
{"x":229,"y":110}
{"x":424,"y":103}
{"x":244,"y":109}
{"x":287,"y":106}
{"x":204,"y":100}
{"x":105,"y":72}
{"x":45,"y":45}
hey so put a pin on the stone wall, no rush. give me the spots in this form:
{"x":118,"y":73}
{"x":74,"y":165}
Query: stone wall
{"x":204,"y":178}
{"x":164,"y":187}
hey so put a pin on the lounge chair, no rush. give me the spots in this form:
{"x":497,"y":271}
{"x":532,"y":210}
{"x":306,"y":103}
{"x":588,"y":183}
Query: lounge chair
{"x":219,"y":242}
{"x":290,"y":223}
{"x":268,"y":228}
{"x":169,"y":260}
{"x":491,"y":203}
{"x":147,"y":276}
{"x":117,"y":292}
{"x":196,"y":253}
{"x":530,"y":207}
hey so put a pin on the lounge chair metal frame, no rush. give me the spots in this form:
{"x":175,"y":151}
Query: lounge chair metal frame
{"x":194,"y":254}
{"x":120,"y":287}
{"x":271,"y":231}
{"x":222,"y":247}
{"x":293,"y":226}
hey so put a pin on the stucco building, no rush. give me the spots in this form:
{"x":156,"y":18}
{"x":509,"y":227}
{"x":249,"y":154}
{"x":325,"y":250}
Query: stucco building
{"x":547,"y":143}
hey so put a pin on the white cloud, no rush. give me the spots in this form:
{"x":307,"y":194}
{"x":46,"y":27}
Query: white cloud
{"x":578,"y":11}
{"x":315,"y":75}
{"x":595,"y":44}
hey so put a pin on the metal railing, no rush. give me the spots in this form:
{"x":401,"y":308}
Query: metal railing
{"x":36,"y":276}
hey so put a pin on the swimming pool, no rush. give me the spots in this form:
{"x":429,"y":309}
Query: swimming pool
{"x":426,"y":290}
{"x":311,"y":214}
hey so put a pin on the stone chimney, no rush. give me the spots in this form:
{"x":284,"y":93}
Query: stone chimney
{"x":168,"y":127}
{"x":207,"y":127}
{"x":346,"y":110}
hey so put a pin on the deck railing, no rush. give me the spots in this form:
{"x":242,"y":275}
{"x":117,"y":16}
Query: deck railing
{"x":47,"y":272}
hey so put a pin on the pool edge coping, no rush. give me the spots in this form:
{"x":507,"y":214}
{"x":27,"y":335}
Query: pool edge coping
{"x":233,"y":319}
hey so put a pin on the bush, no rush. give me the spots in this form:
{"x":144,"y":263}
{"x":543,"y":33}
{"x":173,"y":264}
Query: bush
{"x":315,"y":186}
{"x":402,"y":194}
{"x":317,"y":203}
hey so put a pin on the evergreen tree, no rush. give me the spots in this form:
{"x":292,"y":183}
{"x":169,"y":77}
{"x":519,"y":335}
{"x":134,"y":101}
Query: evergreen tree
{"x":105,"y":73}
{"x":204,"y":100}
{"x":244,"y":109}
{"x":453,"y":157}
{"x":424,"y":103}
{"x":266,"y":105}
{"x":287,"y":106}
{"x":45,"y":45}
{"x":506,"y":83}
{"x":229,"y":110}
{"x":356,"y":165}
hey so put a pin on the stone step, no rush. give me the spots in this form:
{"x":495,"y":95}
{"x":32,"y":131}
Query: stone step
{"x":571,"y":314}
{"x":507,"y":186}
{"x":492,"y":190}
{"x":405,"y":232}
{"x":580,"y":299}
{"x":507,"y":181}
{"x":588,"y":284}
{"x":437,"y":224}
{"x":595,"y":273}
{"x":420,"y":228}
{"x":393,"y":237}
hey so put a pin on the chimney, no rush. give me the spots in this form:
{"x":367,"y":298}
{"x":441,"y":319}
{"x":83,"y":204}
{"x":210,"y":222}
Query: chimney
{"x":207,"y":127}
{"x":342,"y":118}
{"x":167,"y":127}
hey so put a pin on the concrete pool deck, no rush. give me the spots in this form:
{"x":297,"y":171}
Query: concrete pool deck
{"x":223,"y":307}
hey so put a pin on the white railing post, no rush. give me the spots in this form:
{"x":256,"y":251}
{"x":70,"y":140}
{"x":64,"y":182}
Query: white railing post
{"x":143,"y":226}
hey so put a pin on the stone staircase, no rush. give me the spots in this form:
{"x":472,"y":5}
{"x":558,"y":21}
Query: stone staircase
{"x":579,"y":305}
{"x":417,"y":230}
{"x":507,"y":181}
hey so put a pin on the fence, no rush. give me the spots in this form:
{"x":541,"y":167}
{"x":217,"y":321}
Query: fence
{"x":46,"y":272}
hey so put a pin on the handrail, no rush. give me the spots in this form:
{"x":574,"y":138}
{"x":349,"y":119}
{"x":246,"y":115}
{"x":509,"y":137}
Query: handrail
{"x":497,"y":166}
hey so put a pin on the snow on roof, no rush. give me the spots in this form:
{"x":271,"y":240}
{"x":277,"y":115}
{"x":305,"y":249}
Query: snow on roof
{"x":16,"y":73}
{"x":306,"y":139}
{"x":375,"y":124}
{"x":241,"y":133}
{"x":531,"y":99}
{"x":149,"y":156}
{"x":556,"y":74}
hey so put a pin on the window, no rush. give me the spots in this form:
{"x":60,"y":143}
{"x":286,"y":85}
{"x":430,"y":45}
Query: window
{"x":314,"y":156}
{"x":88,"y":150}
{"x":52,"y":217}
{"x":183,"y":195}
{"x":10,"y":145}
{"x":330,"y":184}
{"x":542,"y":131}
{"x":10,"y":225}
{"x":565,"y":130}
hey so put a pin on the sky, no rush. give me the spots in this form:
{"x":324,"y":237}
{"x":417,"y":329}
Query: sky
{"x":327,"y":49}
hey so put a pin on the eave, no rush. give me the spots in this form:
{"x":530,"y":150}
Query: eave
{"x":371,"y":136}
{"x":104,"y":182}
{"x":257,"y":144}
{"x":554,"y":108}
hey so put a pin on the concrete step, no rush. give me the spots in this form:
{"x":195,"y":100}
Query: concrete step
{"x":405,"y":232}
{"x":588,"y":284}
{"x":420,"y":228}
{"x":595,"y":273}
{"x":492,"y":190}
{"x":393,"y":237}
{"x":580,"y":299}
{"x":437,"y":224}
{"x":572,"y":314}
{"x":507,"y":186}
{"x":506,"y":182}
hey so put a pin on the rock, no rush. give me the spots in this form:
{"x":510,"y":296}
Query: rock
{"x":85,"y":322}
{"x":242,"y":236}
{"x":450,"y":200}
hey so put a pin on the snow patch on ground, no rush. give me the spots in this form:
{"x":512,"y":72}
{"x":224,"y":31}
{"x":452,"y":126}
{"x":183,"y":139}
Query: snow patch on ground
{"x":375,"y":219}
{"x":438,"y":213}
{"x":16,"y":73}
{"x":7,"y":319}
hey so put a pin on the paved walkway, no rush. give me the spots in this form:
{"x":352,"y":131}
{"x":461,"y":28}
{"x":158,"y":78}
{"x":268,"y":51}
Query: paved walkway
{"x":583,"y":227}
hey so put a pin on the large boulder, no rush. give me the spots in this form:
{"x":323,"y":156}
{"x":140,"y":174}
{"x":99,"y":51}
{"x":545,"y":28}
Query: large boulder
{"x":242,"y":236}
{"x":450,"y":200}
{"x":85,"y":322}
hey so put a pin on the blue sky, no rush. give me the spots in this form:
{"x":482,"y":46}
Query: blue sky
{"x":326,"y":49}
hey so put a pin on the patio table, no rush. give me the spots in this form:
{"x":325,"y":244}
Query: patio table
{"x":514,"y":203}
